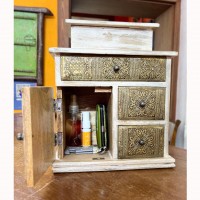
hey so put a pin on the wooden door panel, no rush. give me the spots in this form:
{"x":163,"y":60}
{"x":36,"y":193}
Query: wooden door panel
{"x":38,"y":124}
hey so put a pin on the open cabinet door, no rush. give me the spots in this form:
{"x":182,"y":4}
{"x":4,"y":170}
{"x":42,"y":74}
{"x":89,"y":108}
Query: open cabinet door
{"x":38,"y":128}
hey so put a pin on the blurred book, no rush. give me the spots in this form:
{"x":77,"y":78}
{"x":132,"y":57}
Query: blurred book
{"x":101,"y":127}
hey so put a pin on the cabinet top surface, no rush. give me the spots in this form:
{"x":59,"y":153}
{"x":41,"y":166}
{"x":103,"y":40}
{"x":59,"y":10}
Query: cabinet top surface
{"x":127,"y":52}
{"x":75,"y":22}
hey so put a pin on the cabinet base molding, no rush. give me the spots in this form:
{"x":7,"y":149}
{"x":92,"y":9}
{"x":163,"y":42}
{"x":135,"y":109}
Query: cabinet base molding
{"x":112,"y":165}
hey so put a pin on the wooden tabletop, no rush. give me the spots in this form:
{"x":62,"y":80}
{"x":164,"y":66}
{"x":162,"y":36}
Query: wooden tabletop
{"x":155,"y":184}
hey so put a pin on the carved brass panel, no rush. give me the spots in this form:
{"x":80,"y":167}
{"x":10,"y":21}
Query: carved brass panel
{"x":140,"y":141}
{"x":112,"y":68}
{"x":141,"y":103}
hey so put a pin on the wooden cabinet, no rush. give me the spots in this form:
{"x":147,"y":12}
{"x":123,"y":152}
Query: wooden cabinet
{"x":138,"y":115}
{"x":28,"y":43}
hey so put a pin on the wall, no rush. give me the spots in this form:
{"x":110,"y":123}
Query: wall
{"x":50,"y":36}
{"x":181,"y":139}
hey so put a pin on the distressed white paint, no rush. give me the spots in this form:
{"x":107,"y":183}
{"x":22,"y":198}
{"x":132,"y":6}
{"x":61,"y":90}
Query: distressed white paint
{"x":115,"y":127}
{"x":167,"y":105}
{"x":140,"y":122}
{"x":71,"y":51}
{"x":70,"y":165}
{"x":109,"y":38}
{"x":106,"y":83}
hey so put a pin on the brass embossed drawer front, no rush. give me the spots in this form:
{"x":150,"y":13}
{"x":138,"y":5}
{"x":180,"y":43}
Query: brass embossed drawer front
{"x":112,"y":68}
{"x":141,"y":103}
{"x":140,"y":141}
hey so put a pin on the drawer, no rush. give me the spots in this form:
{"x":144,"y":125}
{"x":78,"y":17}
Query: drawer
{"x":111,"y":35}
{"x":112,"y":68}
{"x":141,"y":103}
{"x":25,"y":44}
{"x":140,"y":141}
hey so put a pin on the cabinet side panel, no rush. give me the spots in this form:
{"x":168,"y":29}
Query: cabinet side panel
{"x":163,"y":36}
{"x":64,"y":12}
{"x":38,"y":131}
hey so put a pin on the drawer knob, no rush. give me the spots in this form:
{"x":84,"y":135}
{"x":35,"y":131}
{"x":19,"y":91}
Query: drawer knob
{"x":142,"y":104}
{"x":116,"y":68}
{"x":141,"y":142}
{"x":20,"y":136}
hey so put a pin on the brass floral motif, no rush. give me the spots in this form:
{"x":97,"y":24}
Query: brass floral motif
{"x":76,"y":68}
{"x":103,"y":68}
{"x":150,"y":68}
{"x":141,"y":103}
{"x":130,"y":145}
{"x":108,"y":72}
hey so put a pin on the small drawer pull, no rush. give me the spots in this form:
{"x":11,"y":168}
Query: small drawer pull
{"x":141,"y":142}
{"x":116,"y":68}
{"x":142,"y":104}
{"x":20,"y":136}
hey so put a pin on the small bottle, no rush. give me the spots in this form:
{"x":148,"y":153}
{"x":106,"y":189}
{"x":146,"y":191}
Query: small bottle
{"x":75,"y":122}
{"x":86,"y":129}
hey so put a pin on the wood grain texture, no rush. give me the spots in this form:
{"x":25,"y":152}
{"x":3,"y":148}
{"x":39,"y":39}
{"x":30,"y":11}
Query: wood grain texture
{"x":163,"y":36}
{"x":175,"y":63}
{"x":154,"y":184}
{"x":148,"y":9}
{"x":64,"y":12}
{"x":33,"y":9}
{"x":40,"y":47}
{"x":167,"y":38}
{"x":109,"y":38}
{"x":38,"y":131}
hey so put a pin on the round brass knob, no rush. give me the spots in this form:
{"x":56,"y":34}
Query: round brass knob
{"x":116,"y":68}
{"x":141,"y":142}
{"x":142,"y":104}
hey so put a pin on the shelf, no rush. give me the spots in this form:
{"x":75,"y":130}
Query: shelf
{"x":150,"y":9}
{"x":111,"y":52}
{"x":75,"y":22}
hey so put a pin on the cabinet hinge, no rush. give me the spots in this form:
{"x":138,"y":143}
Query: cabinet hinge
{"x":58,"y":138}
{"x":57,"y":104}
